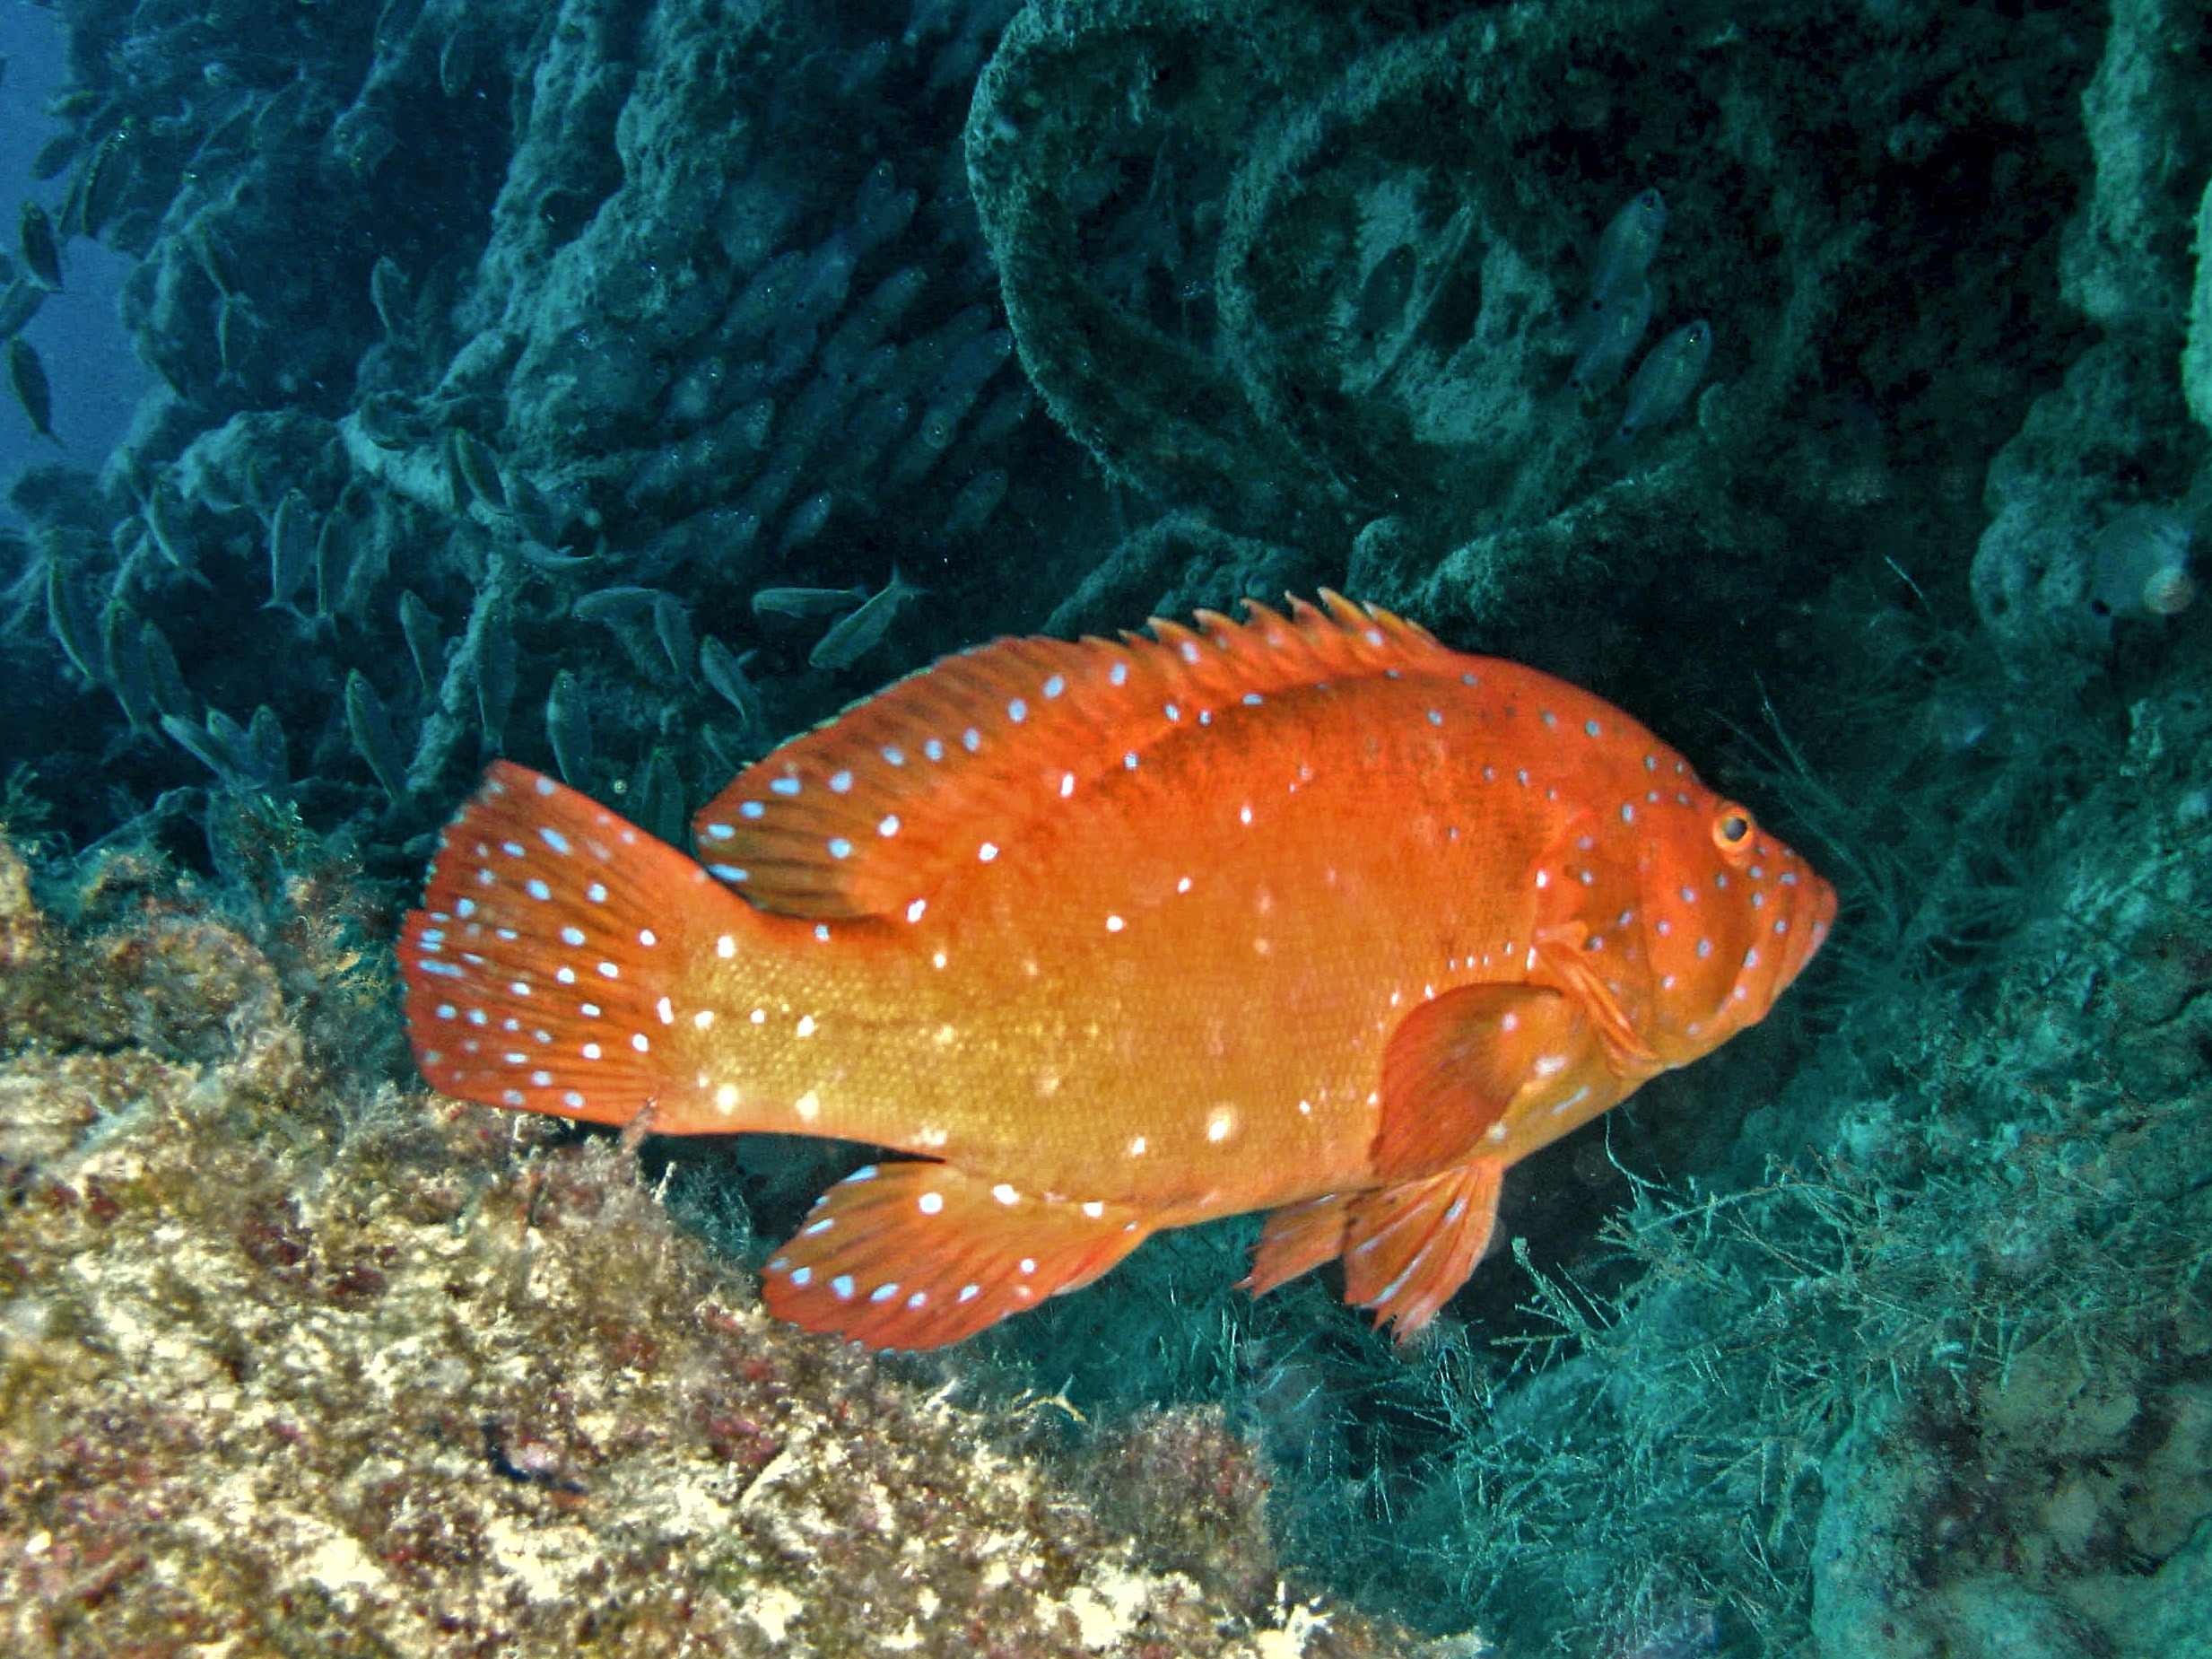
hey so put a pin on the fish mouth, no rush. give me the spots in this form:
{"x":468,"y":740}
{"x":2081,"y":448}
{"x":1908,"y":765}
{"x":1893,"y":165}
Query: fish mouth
{"x":1812,"y":917}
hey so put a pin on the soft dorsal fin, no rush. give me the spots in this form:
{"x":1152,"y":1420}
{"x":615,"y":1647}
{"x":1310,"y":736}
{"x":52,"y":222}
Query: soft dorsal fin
{"x":862,"y":815}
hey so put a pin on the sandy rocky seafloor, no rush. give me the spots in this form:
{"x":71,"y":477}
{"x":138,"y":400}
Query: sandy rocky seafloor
{"x":298,"y":1361}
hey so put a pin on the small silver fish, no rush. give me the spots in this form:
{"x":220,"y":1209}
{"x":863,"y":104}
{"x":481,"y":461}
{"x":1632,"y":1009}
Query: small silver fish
{"x":1630,"y":239}
{"x":221,"y":754}
{"x":799,"y":604}
{"x":724,"y":670}
{"x":56,"y":153}
{"x":456,"y":62}
{"x":617,"y":605}
{"x":166,"y":522}
{"x":1665,"y":380}
{"x":672,"y":627}
{"x":852,"y":637}
{"x":1606,"y":333}
{"x":384,"y":423}
{"x":273,"y":122}
{"x":264,"y":740}
{"x":371,"y":728}
{"x":388,"y":291}
{"x":933,"y":434}
{"x":805,"y":522}
{"x":234,"y":324}
{"x":545,"y":558}
{"x":292,"y":537}
{"x":215,"y":262}
{"x":27,"y":375}
{"x":568,"y":728}
{"x":498,"y":672}
{"x":41,"y":252}
{"x":418,"y":625}
{"x":394,"y":22}
{"x":73,"y":620}
{"x":336,"y":547}
{"x":171,"y":694}
{"x":19,"y":304}
{"x":657,"y":799}
{"x":978,"y":498}
{"x":227,"y":133}
{"x":95,"y":193}
{"x":123,"y":642}
{"x":478,"y":468}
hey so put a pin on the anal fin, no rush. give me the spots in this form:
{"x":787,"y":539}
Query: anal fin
{"x":921,"y":1255}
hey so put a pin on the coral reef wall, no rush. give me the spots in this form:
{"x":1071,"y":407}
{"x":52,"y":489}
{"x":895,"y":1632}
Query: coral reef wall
{"x":508,"y":352}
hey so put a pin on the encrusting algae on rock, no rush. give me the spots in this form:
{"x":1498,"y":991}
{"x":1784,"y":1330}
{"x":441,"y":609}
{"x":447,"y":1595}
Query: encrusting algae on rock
{"x":293,"y":1361}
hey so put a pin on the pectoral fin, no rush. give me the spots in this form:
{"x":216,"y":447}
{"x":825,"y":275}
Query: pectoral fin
{"x":1455,"y":1064}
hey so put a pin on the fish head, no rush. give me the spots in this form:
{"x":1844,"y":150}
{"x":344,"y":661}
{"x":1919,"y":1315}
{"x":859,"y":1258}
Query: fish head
{"x":1732,"y":915}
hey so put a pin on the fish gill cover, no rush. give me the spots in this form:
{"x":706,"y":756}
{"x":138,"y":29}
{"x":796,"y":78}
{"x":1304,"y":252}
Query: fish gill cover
{"x":509,"y":350}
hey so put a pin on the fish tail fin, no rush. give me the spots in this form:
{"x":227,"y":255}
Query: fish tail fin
{"x":553,"y":944}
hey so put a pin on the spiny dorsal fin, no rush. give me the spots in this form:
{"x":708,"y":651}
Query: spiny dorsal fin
{"x":864,"y":813}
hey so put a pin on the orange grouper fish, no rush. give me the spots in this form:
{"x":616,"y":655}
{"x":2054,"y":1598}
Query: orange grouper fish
{"x":1306,"y":913}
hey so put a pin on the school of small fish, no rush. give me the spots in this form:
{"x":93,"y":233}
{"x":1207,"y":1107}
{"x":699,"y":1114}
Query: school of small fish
{"x":1611,"y":322}
{"x":1305,"y":913}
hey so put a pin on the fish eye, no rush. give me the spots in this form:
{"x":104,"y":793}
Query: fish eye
{"x":1733,"y":832}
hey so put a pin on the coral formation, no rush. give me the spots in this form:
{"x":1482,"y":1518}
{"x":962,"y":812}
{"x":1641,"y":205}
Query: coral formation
{"x":2117,"y":432}
{"x":658,"y":303}
{"x":1245,"y":266}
